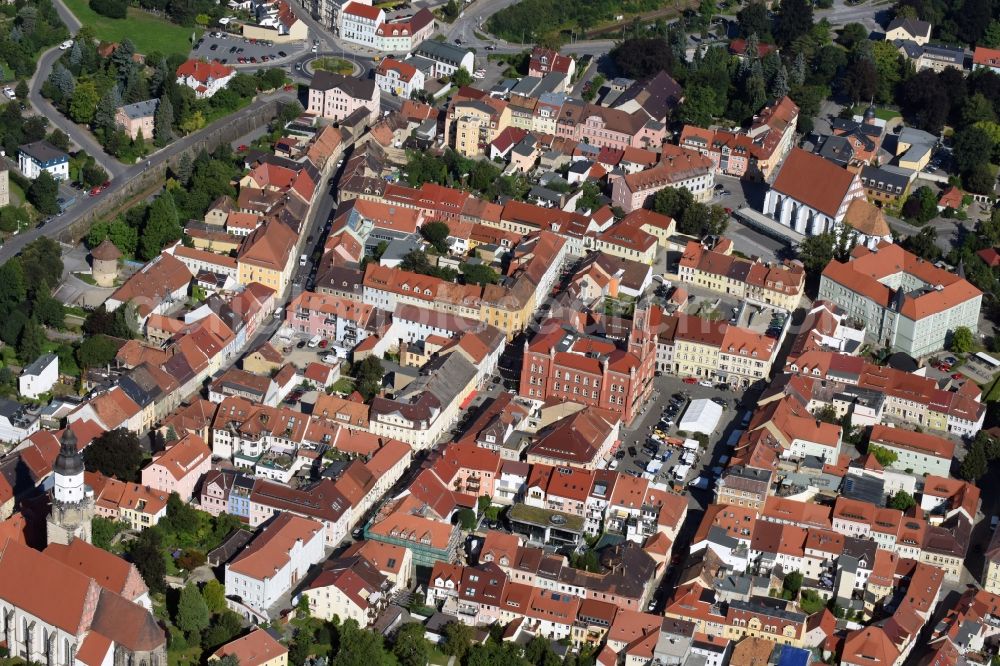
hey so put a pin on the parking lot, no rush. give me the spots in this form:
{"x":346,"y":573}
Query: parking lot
{"x":645,"y":425}
{"x":229,"y":49}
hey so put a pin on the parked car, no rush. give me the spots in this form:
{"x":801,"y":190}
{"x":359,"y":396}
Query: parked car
{"x":690,"y":380}
{"x":706,"y":383}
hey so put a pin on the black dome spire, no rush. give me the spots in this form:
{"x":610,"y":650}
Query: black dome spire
{"x":69,"y":462}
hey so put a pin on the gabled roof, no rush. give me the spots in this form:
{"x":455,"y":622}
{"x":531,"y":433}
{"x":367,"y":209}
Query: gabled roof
{"x":799,"y":175}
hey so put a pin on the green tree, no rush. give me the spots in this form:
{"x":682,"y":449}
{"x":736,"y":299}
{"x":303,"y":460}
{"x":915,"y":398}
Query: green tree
{"x":884,"y":456}
{"x":852,"y":34}
{"x":359,"y":646}
{"x":43,"y":193}
{"x":214,"y":594}
{"x":699,"y":106}
{"x":162,"y":226}
{"x":902,"y":500}
{"x":920,"y":206}
{"x":107,"y":107}
{"x":115,"y":453}
{"x":13,"y":218}
{"x":974,"y":465}
{"x":793,"y":583}
{"x":816,"y":252}
{"x":457,"y":639}
{"x":753,"y":19}
{"x":461,"y":77}
{"x":147,"y":554}
{"x":991,"y":37}
{"x":163,"y":122}
{"x":96,"y":351}
{"x":979,"y":179}
{"x":962,"y":341}
{"x":104,"y":530}
{"x":972,"y":147}
{"x":467,"y":519}
{"x":436,"y":233}
{"x":30,"y":341}
{"x":480,"y":274}
{"x":539,"y":652}
{"x":192,"y":612}
{"x":410,"y":647}
{"x":84,"y":102}
{"x":793,"y":19}
{"x":368,"y":376}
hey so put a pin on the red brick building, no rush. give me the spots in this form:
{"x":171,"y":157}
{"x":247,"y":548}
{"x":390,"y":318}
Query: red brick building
{"x":565,"y":364}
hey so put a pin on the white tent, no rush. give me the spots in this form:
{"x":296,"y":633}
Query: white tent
{"x":701,"y":416}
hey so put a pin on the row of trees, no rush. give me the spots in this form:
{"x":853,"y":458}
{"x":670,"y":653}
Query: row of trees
{"x":35,"y":26}
{"x":89,"y":89}
{"x":347,"y":644}
{"x":26,"y":303}
{"x":144,"y":230}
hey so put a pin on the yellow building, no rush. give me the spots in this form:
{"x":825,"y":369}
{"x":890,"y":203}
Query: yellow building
{"x":697,"y":345}
{"x":508,"y":309}
{"x":267,"y":256}
{"x":477,"y":123}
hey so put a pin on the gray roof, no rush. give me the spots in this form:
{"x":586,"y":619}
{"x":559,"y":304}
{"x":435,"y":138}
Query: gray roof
{"x":39,"y":364}
{"x":952,"y":54}
{"x":441,"y":52}
{"x":44,"y":152}
{"x":880,"y":178}
{"x":526,"y":85}
{"x":443,"y":377}
{"x":356,"y":88}
{"x":143,"y":109}
{"x":914,"y":27}
{"x":425,"y":65}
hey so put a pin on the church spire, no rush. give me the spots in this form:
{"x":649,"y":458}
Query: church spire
{"x":69,"y":462}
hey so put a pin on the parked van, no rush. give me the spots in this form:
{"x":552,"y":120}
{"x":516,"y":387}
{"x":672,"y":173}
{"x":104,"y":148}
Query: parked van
{"x":314,"y":342}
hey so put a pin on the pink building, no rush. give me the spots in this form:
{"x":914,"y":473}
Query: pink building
{"x":468,"y":468}
{"x":179,"y":468}
{"x":332,"y":317}
{"x":336,"y":96}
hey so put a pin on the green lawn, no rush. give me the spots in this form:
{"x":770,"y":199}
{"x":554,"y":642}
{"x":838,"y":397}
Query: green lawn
{"x":146,"y":31}
{"x":880,"y":113}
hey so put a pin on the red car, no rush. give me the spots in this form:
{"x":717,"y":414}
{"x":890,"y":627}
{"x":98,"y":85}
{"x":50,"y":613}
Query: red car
{"x":94,"y":191}
{"x":690,"y":380}
{"x":322,"y":344}
{"x":242,"y":148}
{"x":729,"y":211}
{"x":957,"y":375}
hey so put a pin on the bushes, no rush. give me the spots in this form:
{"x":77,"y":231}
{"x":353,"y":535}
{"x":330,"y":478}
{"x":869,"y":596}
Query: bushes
{"x":115,"y":9}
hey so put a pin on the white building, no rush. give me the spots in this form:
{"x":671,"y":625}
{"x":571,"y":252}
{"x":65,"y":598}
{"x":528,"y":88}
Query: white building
{"x":904,"y":302}
{"x":15,"y":422}
{"x":357,"y":23}
{"x":34,"y":158}
{"x":204,"y":78}
{"x":273,"y":563}
{"x":39,"y":377}
{"x":398,"y":77}
{"x":796,"y":201}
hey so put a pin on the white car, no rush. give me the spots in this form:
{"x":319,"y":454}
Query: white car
{"x":9,"y":92}
{"x":706,"y":383}
{"x":331,"y":359}
{"x":66,"y":45}
{"x":479,"y":74}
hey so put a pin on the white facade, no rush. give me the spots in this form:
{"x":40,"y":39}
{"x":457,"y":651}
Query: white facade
{"x":32,"y":167}
{"x":357,"y":23}
{"x":39,"y":377}
{"x":285,"y":567}
{"x":392,"y":83}
{"x":805,"y":219}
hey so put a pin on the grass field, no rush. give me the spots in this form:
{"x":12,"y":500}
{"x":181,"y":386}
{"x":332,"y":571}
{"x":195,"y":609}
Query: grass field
{"x":149,"y":33}
{"x":880,"y":113}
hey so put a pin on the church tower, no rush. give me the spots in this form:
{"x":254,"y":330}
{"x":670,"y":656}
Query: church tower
{"x":72,"y":501}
